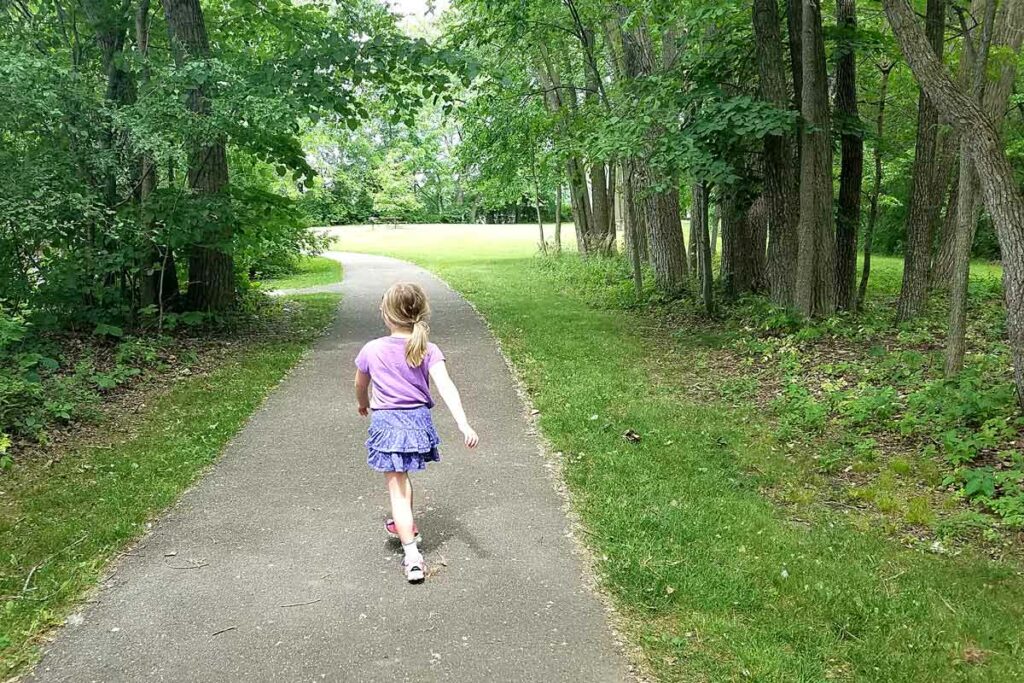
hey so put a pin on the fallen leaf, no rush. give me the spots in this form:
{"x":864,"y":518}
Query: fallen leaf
{"x":631,"y":436}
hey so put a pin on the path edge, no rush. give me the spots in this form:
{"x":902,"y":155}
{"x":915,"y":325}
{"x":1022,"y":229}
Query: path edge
{"x":113,"y":565}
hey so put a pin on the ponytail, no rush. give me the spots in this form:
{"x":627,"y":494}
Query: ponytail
{"x":405,"y":305}
{"x":416,"y":347}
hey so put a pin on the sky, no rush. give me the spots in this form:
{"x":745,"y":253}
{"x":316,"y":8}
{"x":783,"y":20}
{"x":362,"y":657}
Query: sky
{"x":416,"y":10}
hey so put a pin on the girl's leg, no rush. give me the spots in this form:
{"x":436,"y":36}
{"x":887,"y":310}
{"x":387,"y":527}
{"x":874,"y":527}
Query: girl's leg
{"x":400,"y":491}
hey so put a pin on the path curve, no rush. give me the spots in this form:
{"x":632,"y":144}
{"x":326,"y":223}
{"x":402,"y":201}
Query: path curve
{"x":280,"y":571}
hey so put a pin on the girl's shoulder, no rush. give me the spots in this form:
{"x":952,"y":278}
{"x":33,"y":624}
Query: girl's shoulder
{"x":378,"y":342}
{"x":433,"y":354}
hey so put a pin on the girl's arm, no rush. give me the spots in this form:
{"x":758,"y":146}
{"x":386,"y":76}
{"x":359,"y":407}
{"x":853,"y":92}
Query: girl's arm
{"x":363,"y":392}
{"x":445,"y":387}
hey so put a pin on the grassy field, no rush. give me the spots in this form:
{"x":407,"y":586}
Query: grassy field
{"x":310,"y":272}
{"x":63,"y":517}
{"x":719,"y":578}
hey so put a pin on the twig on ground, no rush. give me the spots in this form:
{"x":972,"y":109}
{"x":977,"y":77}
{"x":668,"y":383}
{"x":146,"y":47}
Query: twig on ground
{"x":300,"y":604}
{"x":32,"y":573}
{"x":194,"y":565}
{"x":224,"y":630}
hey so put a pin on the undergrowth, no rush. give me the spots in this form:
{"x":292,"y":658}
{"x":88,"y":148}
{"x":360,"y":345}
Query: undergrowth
{"x":860,"y":401}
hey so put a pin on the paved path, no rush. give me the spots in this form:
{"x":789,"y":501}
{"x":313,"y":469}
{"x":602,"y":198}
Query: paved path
{"x":280,"y":569}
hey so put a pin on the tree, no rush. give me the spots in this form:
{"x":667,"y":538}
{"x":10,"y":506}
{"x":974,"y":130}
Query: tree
{"x":815,"y":278}
{"x":923,"y":211}
{"x":655,"y":206}
{"x":852,"y":169}
{"x":999,"y":31}
{"x":780,"y":184}
{"x":699,"y":225}
{"x":884,"y":69}
{"x":1000,"y":191}
{"x":210,"y":264}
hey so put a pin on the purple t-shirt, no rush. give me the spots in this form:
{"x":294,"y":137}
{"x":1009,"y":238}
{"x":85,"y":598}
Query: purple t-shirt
{"x":396,"y":386}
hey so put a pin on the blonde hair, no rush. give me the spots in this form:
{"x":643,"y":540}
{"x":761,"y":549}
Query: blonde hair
{"x":405,"y":305}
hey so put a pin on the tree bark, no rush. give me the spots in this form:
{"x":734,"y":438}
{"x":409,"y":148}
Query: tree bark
{"x":757,"y":222}
{"x":714,"y":216}
{"x":740,"y":268}
{"x":851,"y":172}
{"x":660,"y":208}
{"x":942,"y":268}
{"x":699,"y":233}
{"x":611,"y":240}
{"x":598,"y":236}
{"x":579,"y":197}
{"x":691,"y":244}
{"x":869,"y":234}
{"x":922,"y":212}
{"x":211,"y":265}
{"x":558,"y":217}
{"x":780,"y":186}
{"x":999,"y":187}
{"x":536,"y":205}
{"x":794,"y":24}
{"x":632,"y":215}
{"x":1003,"y":31}
{"x":815,"y":278}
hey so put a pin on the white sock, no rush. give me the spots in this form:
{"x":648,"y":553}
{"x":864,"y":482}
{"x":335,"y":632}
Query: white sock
{"x":412,"y":552}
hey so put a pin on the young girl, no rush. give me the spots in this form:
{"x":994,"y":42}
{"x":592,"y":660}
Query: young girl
{"x":402,"y":439}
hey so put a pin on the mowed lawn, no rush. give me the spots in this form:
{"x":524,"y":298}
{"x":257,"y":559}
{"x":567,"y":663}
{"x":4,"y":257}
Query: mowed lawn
{"x":715,"y":582}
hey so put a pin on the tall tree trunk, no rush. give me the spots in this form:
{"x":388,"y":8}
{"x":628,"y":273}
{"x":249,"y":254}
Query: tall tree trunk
{"x":579,"y":197}
{"x":699,"y":233}
{"x":611,"y":241}
{"x":660,"y":214}
{"x":691,"y":245}
{"x":211,"y":265}
{"x":999,"y":187}
{"x":942,"y":268}
{"x":922,"y":212}
{"x":536,"y":205}
{"x":851,"y":172}
{"x":739,"y":239}
{"x":1003,"y":31}
{"x":599,"y":191}
{"x":779,"y":173}
{"x":795,"y":26}
{"x":159,"y":271}
{"x":715,"y":217}
{"x":633,"y":216}
{"x":815,"y":278}
{"x":757,"y":230}
{"x":597,"y":237}
{"x":558,"y":217}
{"x":869,"y":234}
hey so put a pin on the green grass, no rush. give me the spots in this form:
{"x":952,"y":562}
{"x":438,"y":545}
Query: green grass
{"x":717,"y":582}
{"x":311,"y":271}
{"x":62,"y":521}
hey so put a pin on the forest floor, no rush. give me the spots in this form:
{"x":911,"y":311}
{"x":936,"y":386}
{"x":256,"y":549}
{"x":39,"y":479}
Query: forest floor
{"x":70,"y":505}
{"x":766,"y":500}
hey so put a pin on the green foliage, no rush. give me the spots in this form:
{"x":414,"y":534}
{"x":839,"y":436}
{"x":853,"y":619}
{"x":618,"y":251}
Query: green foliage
{"x":79,"y":242}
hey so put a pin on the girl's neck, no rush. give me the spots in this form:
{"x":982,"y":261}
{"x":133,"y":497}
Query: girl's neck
{"x":400,"y":332}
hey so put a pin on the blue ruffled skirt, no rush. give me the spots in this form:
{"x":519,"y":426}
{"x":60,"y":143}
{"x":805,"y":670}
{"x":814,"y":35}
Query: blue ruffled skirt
{"x":402,"y":440}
